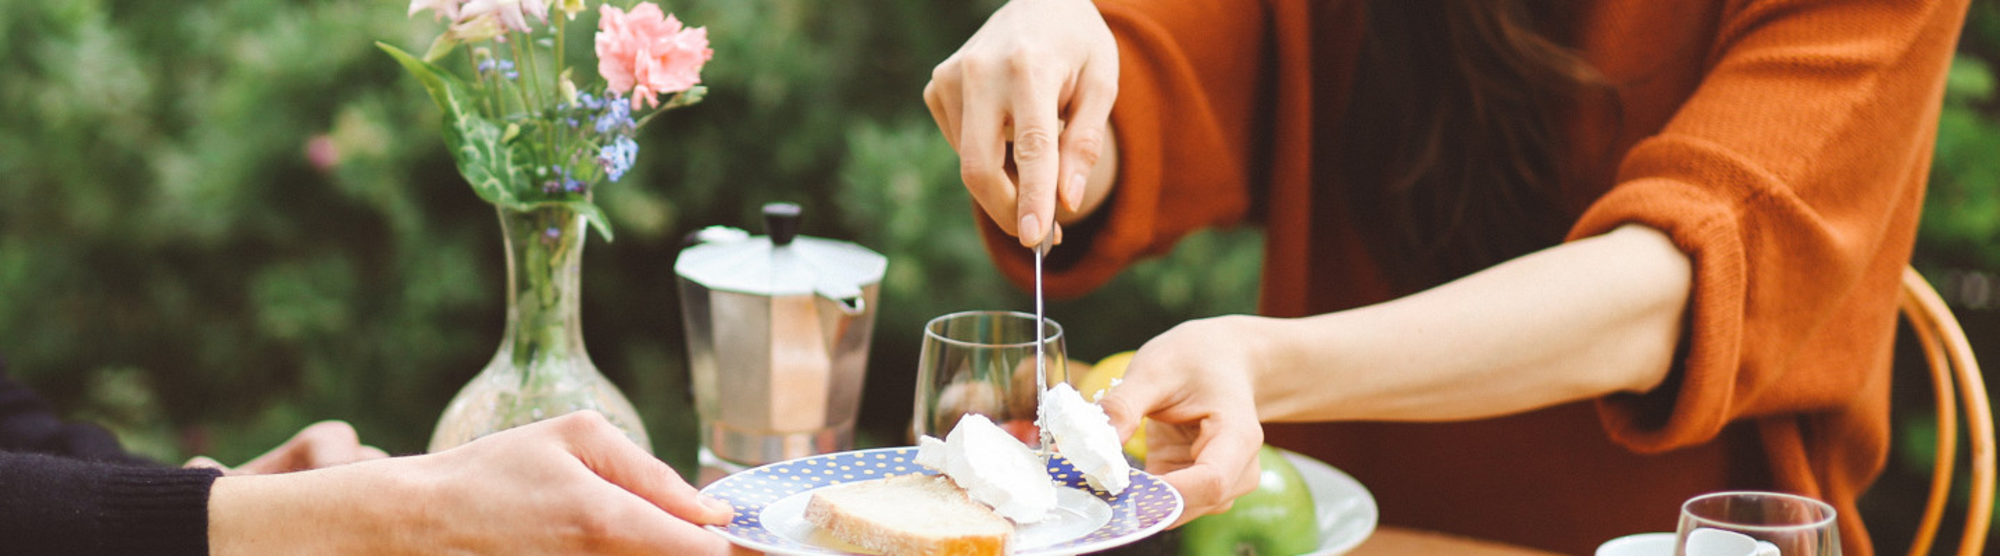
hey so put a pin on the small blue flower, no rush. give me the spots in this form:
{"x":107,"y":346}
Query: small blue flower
{"x":552,"y":235}
{"x":506,"y":68}
{"x":617,"y":157}
{"x":617,"y":116}
{"x":560,"y":181}
{"x":588,"y":101}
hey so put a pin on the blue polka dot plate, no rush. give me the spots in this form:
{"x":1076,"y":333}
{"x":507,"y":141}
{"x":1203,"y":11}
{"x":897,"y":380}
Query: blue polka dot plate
{"x":770,"y":505}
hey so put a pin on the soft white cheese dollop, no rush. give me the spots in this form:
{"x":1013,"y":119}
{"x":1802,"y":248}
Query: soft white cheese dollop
{"x":1083,"y":433}
{"x":993,"y":467}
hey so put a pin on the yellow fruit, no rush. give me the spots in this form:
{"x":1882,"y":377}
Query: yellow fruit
{"x":1136,"y":446}
{"x":1099,"y":381}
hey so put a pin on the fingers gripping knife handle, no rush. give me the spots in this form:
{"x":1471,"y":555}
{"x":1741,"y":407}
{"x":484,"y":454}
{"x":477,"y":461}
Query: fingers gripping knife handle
{"x":1041,"y":358}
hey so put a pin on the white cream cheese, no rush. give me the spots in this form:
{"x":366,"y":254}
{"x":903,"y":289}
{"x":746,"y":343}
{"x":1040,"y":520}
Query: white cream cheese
{"x":1083,"y":433}
{"x":993,"y":467}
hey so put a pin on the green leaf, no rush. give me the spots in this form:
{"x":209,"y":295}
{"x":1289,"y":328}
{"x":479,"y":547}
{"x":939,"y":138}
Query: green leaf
{"x":433,"y":78}
{"x":485,"y":157}
{"x":680,"y":99}
{"x":440,"y":48}
{"x":687,"y":97}
{"x":593,"y":215}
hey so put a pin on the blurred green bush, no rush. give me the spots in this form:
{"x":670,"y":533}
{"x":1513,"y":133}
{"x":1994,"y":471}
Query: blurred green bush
{"x":221,"y":220}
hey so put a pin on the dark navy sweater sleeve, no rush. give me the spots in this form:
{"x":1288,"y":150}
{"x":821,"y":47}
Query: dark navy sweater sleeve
{"x":68,"y":488}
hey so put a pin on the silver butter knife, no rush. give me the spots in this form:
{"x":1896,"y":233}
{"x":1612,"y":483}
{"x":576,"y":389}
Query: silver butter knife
{"x":1041,"y":358}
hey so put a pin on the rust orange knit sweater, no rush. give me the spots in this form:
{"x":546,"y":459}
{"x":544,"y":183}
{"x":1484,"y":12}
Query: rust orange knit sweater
{"x":1782,"y":144}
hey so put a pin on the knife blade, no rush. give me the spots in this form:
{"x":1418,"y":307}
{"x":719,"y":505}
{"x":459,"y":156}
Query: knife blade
{"x":1041,"y":357}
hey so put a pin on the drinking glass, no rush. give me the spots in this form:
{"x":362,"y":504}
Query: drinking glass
{"x":984,"y":362}
{"x":1750,"y":523}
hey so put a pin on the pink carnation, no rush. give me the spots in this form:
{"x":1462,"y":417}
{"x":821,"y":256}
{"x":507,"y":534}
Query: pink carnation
{"x":646,"y":53}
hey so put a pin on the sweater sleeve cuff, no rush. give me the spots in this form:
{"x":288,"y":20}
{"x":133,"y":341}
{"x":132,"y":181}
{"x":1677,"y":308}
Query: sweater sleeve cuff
{"x":156,"y":510}
{"x":57,"y":505}
{"x":1692,"y":405}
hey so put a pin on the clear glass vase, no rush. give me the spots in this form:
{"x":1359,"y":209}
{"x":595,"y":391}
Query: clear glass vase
{"x":541,"y":369}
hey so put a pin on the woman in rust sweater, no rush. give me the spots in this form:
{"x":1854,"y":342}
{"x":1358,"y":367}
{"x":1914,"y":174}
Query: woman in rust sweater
{"x":1534,"y":271}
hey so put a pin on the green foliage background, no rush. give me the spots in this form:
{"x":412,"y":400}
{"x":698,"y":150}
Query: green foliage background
{"x":175,"y":265}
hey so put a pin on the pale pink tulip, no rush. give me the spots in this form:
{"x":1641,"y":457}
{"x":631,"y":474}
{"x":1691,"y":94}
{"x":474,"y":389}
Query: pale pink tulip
{"x":513,"y":14}
{"x":646,"y":53}
{"x":445,"y":9}
{"x":477,"y":27}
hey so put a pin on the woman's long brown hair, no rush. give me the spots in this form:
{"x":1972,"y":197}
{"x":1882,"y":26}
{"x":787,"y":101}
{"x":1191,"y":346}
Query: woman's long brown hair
{"x":1452,"y":138}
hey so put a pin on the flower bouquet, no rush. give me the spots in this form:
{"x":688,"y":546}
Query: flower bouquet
{"x":535,"y":143}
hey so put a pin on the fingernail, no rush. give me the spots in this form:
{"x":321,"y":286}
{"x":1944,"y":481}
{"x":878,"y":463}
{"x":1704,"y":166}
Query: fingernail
{"x":716,"y":504}
{"x":203,"y":462}
{"x":1074,"y":194}
{"x":1031,"y":228}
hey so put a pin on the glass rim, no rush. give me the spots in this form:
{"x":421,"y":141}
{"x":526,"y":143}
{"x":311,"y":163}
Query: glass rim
{"x":931,"y":328}
{"x":1826,"y":511}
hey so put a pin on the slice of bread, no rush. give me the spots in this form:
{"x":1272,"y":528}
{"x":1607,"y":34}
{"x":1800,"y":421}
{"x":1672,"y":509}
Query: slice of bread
{"x":910,"y":515}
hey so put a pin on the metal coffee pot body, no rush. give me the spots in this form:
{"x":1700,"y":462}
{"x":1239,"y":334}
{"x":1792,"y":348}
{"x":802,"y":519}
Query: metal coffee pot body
{"x":778,"y":329}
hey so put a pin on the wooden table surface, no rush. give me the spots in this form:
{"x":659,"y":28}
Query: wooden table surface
{"x":1394,"y":541}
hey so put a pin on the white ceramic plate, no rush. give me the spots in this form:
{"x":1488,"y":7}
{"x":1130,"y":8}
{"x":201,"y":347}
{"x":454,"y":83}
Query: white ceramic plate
{"x":770,"y":505}
{"x":1346,"y":511}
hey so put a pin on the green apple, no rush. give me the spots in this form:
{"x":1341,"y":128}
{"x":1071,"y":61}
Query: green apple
{"x":1274,"y":520}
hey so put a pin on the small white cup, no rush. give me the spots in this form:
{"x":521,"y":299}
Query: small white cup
{"x":1718,"y":542}
{"x":1642,"y":544}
